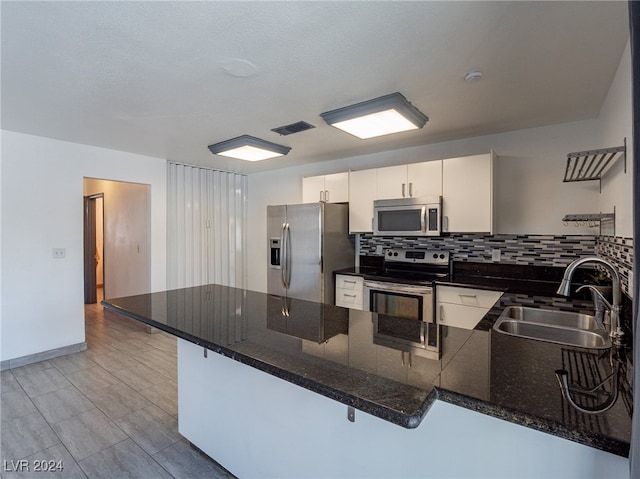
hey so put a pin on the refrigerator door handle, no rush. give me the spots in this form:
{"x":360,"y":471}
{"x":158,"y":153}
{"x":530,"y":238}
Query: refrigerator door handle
{"x":286,"y":261}
{"x":283,"y":256}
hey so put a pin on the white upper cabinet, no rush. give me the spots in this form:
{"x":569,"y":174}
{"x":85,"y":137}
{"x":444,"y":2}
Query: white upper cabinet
{"x":362,"y":193}
{"x":467,"y":194}
{"x":330,"y":188}
{"x":425,"y":179}
{"x":410,"y":181}
{"x":312,"y":189}
{"x":465,"y":184}
{"x":392,"y":182}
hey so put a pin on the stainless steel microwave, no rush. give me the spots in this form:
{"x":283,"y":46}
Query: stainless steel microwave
{"x":408,"y":216}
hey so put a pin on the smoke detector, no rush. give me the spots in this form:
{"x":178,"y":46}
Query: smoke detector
{"x":473,"y":76}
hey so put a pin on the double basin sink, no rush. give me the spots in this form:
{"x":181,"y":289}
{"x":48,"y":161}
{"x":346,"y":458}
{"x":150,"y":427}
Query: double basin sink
{"x":562,"y":327}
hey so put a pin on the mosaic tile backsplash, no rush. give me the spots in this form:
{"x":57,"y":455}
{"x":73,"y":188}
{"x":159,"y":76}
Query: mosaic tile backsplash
{"x":620,"y":252}
{"x":547,"y":250}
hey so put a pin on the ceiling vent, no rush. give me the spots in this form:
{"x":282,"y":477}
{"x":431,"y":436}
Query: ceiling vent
{"x":293,"y":128}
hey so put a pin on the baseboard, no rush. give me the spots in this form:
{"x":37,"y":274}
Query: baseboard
{"x":42,"y":356}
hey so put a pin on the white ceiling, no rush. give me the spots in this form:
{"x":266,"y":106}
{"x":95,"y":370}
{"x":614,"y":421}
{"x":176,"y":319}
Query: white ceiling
{"x":150,"y":77}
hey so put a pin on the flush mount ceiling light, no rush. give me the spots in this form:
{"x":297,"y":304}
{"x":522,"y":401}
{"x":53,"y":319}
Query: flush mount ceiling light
{"x":380,"y":116}
{"x":248,"y":148}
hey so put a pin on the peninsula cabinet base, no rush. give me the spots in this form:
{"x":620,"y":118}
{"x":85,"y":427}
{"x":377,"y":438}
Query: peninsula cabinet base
{"x":259,"y":426}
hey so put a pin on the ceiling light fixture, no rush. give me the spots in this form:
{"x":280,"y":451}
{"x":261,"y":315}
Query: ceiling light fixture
{"x":381,"y":116}
{"x":249,"y":148}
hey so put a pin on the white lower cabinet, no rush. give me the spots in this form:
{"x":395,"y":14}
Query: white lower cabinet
{"x":349,"y":291}
{"x":463,"y":307}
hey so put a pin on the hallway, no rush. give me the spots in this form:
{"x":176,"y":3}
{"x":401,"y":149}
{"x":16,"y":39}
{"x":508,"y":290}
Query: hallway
{"x":107,"y":412}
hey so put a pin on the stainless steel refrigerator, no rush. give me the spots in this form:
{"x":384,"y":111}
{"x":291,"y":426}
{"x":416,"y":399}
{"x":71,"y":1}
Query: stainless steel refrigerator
{"x":307,"y":243}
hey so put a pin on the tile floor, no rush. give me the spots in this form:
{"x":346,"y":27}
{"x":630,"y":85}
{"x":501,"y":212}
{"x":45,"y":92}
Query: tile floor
{"x":107,"y":412}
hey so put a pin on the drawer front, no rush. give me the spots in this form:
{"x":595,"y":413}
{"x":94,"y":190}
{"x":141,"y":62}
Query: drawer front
{"x":349,"y":298}
{"x":467,"y":296}
{"x":349,"y":282}
{"x":459,"y":316}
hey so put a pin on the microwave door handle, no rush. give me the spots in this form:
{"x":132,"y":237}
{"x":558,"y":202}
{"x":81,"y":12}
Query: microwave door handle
{"x":423,"y":219}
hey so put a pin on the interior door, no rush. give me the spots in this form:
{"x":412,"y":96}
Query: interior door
{"x":90,"y":295}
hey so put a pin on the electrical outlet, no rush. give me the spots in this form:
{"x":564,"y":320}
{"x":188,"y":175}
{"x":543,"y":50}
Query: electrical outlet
{"x":379,"y":249}
{"x":630,"y":280}
{"x":495,"y":255}
{"x":59,"y":253}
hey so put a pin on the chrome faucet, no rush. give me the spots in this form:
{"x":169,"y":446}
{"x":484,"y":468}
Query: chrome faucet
{"x":615,"y":331}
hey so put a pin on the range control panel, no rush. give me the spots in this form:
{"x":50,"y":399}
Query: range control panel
{"x":423,"y":256}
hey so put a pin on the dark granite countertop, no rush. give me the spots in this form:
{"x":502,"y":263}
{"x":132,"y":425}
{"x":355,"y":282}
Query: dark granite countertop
{"x":358,"y":271}
{"x":332,"y":351}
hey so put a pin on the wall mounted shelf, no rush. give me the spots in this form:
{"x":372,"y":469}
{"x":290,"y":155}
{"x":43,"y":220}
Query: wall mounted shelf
{"x":592,"y":220}
{"x":593,"y":164}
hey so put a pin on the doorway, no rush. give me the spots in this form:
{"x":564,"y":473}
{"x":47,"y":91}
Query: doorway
{"x":93,"y":248}
{"x":117,"y":239}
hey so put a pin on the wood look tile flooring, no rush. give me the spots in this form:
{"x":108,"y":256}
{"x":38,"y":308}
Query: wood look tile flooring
{"x":107,"y":412}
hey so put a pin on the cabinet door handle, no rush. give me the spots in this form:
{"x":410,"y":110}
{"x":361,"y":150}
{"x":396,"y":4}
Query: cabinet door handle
{"x":326,"y":195}
{"x":321,"y":195}
{"x":403,"y":191}
{"x":410,"y":189}
{"x":445,"y":223}
{"x":441,"y":314}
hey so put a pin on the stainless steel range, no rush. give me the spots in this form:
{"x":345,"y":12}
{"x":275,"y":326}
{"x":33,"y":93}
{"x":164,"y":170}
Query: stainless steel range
{"x":401,"y":295}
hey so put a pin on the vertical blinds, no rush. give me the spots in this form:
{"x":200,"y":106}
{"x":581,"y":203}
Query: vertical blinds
{"x":206,"y":227}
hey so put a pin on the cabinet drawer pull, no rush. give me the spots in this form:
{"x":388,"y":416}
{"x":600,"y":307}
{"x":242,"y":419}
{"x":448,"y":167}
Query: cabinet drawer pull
{"x":349,"y":295}
{"x":468,"y":295}
{"x":348,"y":281}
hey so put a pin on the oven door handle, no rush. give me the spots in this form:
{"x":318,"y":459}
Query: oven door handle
{"x":395,"y":289}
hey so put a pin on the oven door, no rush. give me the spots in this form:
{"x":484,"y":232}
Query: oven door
{"x":403,"y":317}
{"x":399,"y":300}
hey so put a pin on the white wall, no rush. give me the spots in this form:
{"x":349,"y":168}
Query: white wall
{"x":126,"y":236}
{"x":41,"y":207}
{"x":616,"y":117}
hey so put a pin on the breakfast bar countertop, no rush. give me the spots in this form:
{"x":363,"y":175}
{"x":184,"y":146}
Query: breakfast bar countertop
{"x":332,"y":351}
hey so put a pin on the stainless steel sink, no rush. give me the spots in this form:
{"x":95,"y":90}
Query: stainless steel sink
{"x":562,"y":327}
